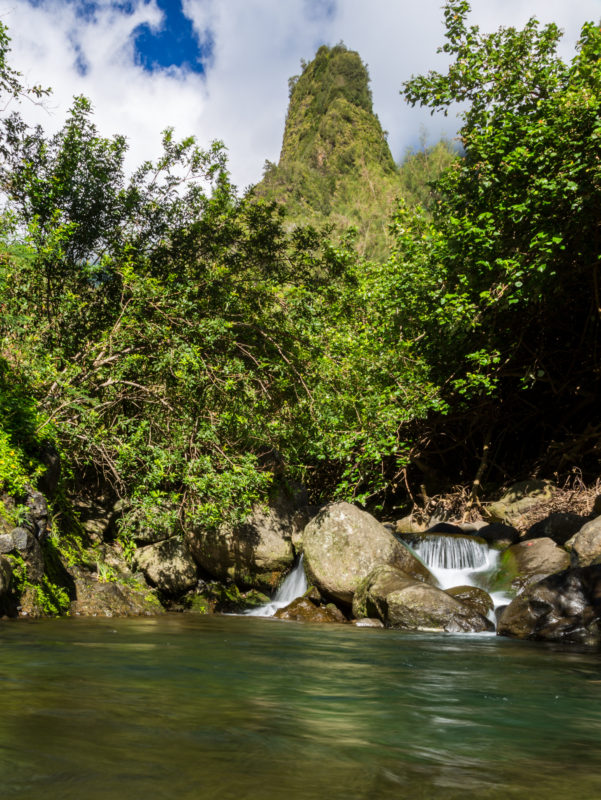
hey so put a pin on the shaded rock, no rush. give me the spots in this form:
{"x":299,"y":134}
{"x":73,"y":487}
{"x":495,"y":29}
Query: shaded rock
{"x":562,"y":607}
{"x":530,"y":561}
{"x":474,"y":597}
{"x":303,"y":610}
{"x":559,"y":526}
{"x":37,"y":512}
{"x":21,"y":541}
{"x":401,"y":602}
{"x":585,"y":546}
{"x":50,"y":458}
{"x":257,"y":552}
{"x":94,"y":598}
{"x":6,"y":572}
{"x":597,"y":506}
{"x":342,"y":544}
{"x":368,"y":622}
{"x":167,"y":565}
{"x":519,"y":499}
{"x":497,"y":534}
{"x":444,"y":527}
{"x":225,"y":598}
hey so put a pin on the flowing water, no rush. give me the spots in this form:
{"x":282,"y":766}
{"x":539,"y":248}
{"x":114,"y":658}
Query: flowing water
{"x":461,"y":561}
{"x":184,"y":707}
{"x":294,"y":586}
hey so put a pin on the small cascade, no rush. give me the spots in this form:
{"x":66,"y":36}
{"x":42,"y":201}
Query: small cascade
{"x":294,"y":586}
{"x":453,"y":552}
{"x":460,"y":561}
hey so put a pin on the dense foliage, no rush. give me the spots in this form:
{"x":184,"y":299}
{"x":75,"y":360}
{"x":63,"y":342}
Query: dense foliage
{"x":185,"y":348}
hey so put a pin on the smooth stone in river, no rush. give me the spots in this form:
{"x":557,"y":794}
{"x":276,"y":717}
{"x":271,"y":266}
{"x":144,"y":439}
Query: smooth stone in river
{"x":342,"y":544}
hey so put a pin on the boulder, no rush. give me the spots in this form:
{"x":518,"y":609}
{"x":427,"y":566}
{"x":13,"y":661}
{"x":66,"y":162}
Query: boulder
{"x":368,"y":622}
{"x":342,"y":544}
{"x":257,"y":552}
{"x":303,"y":610}
{"x":585,"y":546}
{"x":94,"y":598}
{"x":401,"y":602}
{"x":529,"y":561}
{"x":167,"y":565}
{"x":22,"y":542}
{"x":518,"y":500}
{"x":474,"y":597}
{"x":562,"y":607}
{"x":499,"y":535}
{"x":559,"y":526}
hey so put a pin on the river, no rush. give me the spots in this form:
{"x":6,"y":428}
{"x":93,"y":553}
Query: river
{"x":241,"y":708}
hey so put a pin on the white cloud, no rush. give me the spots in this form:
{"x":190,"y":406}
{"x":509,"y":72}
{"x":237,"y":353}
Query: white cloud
{"x":258,"y":45}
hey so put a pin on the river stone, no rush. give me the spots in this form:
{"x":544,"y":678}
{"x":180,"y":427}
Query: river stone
{"x":519,"y":499}
{"x":401,"y":602}
{"x":342,"y":544}
{"x":368,"y":622}
{"x":562,"y":607}
{"x":258,"y":552}
{"x":6,"y":572}
{"x":303,"y":610}
{"x":585,"y":546}
{"x":499,"y":535}
{"x":559,"y":526}
{"x":474,"y":597}
{"x":530,"y":561}
{"x":94,"y":598}
{"x":167,"y":565}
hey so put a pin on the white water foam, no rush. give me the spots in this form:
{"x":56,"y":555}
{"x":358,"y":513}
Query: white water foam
{"x":294,"y":586}
{"x":458,"y":561}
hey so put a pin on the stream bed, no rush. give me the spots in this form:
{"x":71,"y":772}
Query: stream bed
{"x":243,"y":708}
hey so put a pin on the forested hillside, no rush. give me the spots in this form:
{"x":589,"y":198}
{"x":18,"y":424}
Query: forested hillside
{"x":186,"y":350}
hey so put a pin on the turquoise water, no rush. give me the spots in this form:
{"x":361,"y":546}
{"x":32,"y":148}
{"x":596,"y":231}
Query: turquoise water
{"x":256,"y":709}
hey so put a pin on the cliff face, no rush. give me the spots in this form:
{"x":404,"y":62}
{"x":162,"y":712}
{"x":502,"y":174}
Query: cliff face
{"x":335,"y":164}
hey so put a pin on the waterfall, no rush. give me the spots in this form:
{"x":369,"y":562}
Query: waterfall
{"x":452,"y":552}
{"x":460,"y":561}
{"x":294,"y":586}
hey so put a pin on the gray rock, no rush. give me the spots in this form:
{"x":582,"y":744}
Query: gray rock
{"x":342,"y":544}
{"x":368,"y":622}
{"x":531,"y":560}
{"x":559,"y":526}
{"x":303,"y":610}
{"x":257,"y":552}
{"x":401,"y":602}
{"x":498,"y":534}
{"x":474,"y":597}
{"x":22,"y":542}
{"x":562,"y":607}
{"x":94,"y":598}
{"x":585,"y":546}
{"x":168,"y":565}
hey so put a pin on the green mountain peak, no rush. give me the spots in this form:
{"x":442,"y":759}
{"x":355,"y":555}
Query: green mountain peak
{"x":335,"y":164}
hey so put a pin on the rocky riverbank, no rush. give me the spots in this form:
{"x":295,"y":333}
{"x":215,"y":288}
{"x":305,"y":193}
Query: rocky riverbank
{"x":359,"y":569}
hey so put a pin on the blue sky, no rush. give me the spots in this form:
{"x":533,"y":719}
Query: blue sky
{"x":219,"y":69}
